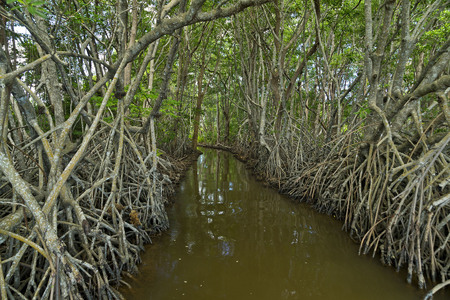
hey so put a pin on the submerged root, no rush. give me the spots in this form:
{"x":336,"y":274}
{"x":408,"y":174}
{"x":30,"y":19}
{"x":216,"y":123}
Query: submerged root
{"x":102,"y":221}
{"x":397,"y":208}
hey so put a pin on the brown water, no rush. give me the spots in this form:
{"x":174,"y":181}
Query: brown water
{"x":233,"y":238}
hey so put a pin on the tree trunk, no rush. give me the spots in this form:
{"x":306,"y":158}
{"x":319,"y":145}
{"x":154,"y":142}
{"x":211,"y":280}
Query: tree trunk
{"x":133,"y":32}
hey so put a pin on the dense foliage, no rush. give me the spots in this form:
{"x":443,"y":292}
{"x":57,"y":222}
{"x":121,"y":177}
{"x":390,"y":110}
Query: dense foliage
{"x":343,"y":104}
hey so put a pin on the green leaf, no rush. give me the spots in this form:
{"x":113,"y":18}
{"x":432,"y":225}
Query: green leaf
{"x":41,"y":13}
{"x":38,"y":3}
{"x":32,"y":10}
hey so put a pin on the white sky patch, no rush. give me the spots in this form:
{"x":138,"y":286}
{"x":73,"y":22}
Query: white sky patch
{"x":21,"y":29}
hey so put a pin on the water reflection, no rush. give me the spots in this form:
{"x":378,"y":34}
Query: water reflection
{"x":232,"y":238}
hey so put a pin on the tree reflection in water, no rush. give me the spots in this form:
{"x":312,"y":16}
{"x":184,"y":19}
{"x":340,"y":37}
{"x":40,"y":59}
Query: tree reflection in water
{"x":232,"y":238}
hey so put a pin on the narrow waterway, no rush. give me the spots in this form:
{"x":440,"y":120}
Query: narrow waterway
{"x":233,"y":238}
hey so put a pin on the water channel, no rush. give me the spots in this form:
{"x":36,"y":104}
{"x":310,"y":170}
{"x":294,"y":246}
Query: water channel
{"x":232,"y":238}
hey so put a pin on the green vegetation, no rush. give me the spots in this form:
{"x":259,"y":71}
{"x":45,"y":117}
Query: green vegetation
{"x":343,"y":104}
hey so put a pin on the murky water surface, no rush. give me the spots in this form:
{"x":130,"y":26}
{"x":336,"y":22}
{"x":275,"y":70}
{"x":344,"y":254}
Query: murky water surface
{"x":233,"y":238}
